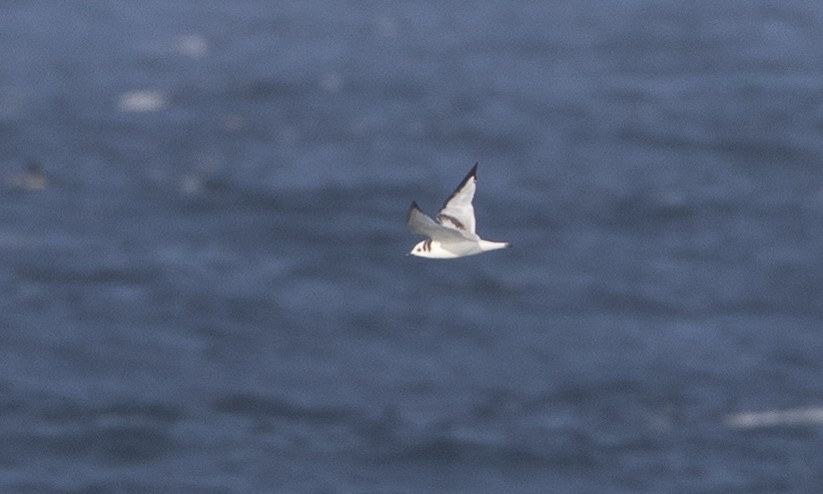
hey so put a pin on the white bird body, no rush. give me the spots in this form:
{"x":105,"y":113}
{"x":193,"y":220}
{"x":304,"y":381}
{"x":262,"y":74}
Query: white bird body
{"x":452,"y":235}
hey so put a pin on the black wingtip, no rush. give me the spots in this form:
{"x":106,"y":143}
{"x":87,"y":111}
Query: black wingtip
{"x":412,"y":208}
{"x":471,"y":175}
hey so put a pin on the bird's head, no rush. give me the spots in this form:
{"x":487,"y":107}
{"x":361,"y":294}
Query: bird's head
{"x":421,"y":249}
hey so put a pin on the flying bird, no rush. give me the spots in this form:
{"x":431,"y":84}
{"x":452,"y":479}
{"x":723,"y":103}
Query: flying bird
{"x":452,"y":234}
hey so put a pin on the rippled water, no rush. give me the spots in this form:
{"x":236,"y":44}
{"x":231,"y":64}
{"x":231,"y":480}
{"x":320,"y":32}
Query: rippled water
{"x":208,"y":292}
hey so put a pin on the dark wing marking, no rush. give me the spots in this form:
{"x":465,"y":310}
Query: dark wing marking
{"x":418,"y":222}
{"x":457,"y":212}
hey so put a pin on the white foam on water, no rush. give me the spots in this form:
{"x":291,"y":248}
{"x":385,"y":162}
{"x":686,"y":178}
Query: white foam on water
{"x":142,"y":100}
{"x":192,"y":45}
{"x":774,"y":418}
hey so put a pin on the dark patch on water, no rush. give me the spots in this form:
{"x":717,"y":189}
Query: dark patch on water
{"x":259,"y":407}
{"x":210,"y":293}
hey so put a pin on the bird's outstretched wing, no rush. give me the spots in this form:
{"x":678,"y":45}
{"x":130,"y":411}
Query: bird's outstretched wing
{"x":418,"y":222}
{"x":457,"y":212}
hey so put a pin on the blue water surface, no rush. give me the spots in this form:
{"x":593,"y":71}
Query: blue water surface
{"x":207,"y":291}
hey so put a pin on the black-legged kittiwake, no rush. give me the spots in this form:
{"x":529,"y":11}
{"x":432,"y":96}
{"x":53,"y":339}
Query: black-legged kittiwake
{"x":452,"y":235}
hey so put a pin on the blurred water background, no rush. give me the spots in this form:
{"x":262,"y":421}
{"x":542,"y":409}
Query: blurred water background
{"x":207,"y":291}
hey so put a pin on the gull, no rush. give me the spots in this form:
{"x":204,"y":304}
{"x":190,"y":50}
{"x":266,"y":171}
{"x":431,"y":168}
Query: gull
{"x":452,"y":235}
